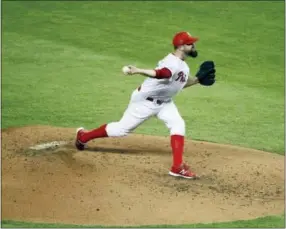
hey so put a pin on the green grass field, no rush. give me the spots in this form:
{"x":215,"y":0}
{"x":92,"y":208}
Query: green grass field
{"x":61,"y":66}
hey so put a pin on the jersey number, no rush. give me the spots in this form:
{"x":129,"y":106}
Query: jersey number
{"x":181,"y":77}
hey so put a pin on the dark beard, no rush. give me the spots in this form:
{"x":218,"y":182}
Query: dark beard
{"x":193,"y":53}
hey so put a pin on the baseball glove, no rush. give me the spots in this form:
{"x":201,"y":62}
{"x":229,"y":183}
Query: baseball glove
{"x":206,"y":73}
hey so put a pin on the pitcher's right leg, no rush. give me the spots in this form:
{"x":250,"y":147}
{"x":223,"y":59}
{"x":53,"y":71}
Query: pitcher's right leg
{"x":135,"y":115}
{"x":173,"y":120}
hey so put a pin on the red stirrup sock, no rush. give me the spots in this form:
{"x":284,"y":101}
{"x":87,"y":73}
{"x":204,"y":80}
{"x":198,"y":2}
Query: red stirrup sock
{"x":177,"y":143}
{"x":96,"y":133}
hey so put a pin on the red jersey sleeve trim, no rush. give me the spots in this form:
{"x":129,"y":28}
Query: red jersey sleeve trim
{"x":163,"y":73}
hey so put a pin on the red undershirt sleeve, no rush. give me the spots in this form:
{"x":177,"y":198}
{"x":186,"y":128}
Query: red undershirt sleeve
{"x":163,"y":73}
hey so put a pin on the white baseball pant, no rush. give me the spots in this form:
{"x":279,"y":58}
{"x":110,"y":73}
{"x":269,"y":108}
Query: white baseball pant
{"x":140,"y":110}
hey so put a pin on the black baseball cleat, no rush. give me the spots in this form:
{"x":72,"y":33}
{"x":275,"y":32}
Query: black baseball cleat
{"x":78,"y":144}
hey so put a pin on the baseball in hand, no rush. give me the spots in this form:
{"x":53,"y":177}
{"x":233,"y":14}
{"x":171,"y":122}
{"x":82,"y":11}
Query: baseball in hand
{"x":126,"y":70}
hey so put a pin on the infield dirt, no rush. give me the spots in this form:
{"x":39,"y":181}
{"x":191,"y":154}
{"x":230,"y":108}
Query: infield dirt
{"x":125,"y":181}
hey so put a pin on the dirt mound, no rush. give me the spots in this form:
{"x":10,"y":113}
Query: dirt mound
{"x":125,"y":181}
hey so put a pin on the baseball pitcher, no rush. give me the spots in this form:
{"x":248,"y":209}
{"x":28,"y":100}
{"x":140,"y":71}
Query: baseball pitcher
{"x":154,"y":98}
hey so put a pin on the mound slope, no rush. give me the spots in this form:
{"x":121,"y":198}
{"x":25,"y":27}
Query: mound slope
{"x":124,"y":181}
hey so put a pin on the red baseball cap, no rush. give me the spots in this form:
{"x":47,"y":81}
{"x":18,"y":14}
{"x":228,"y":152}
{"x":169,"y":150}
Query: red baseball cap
{"x":183,"y":38}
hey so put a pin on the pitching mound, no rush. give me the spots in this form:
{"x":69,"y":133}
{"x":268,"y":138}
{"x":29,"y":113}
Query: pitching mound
{"x":125,"y":181}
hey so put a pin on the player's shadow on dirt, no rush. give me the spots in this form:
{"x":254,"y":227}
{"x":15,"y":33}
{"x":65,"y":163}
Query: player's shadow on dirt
{"x":127,"y":151}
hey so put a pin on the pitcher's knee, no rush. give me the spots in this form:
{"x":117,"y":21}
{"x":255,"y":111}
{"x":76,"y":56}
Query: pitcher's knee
{"x":115,"y":129}
{"x":178,"y":128}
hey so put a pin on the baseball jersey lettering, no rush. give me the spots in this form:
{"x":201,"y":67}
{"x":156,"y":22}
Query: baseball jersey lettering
{"x":181,"y":77}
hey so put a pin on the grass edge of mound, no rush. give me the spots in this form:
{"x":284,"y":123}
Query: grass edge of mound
{"x":277,"y":221}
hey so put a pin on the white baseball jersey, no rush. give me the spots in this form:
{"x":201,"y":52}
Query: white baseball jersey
{"x":165,"y":89}
{"x":140,"y":109}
